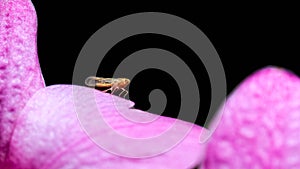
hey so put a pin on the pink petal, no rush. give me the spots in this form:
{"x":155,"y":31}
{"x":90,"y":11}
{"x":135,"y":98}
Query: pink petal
{"x":260,"y":126}
{"x":49,"y":135}
{"x":20,"y":74}
{"x":41,"y":129}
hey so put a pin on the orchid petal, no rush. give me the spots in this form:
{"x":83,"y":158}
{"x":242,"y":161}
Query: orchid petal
{"x":260,"y":125}
{"x":40,"y":126}
{"x":20,"y":73}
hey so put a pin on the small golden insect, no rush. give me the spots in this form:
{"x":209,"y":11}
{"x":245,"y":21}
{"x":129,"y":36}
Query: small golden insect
{"x":114,"y":84}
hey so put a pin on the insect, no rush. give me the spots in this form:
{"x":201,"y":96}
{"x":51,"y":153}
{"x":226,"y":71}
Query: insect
{"x":114,"y":84}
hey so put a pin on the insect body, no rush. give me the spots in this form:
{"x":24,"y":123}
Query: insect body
{"x":114,"y":84}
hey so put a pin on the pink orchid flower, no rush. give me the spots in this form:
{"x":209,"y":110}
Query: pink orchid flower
{"x":39,"y":126}
{"x":260,"y":124}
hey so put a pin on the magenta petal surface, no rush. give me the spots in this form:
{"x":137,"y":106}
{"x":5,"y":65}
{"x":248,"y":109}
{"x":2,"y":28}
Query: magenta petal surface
{"x":20,"y":74}
{"x":260,"y":126}
{"x":49,"y":135}
{"x":40,"y":128}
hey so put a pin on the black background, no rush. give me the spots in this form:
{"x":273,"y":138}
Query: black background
{"x":246,"y":37}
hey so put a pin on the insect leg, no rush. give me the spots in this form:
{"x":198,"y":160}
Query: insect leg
{"x":114,"y":89}
{"x":124,"y":90}
{"x":121,"y":92}
{"x":107,"y":90}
